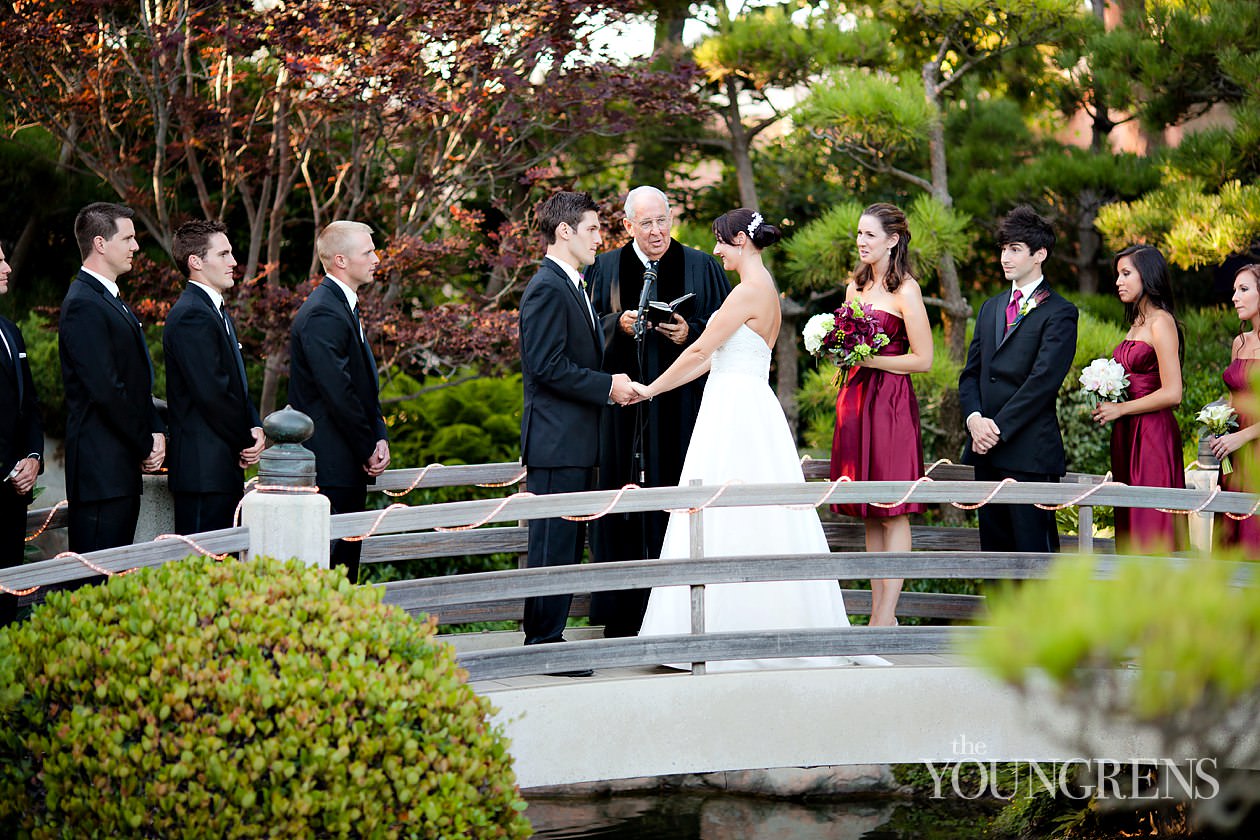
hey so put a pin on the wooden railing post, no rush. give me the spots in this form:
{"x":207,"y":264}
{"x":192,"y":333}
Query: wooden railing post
{"x":697,"y":589}
{"x":1085,"y":529}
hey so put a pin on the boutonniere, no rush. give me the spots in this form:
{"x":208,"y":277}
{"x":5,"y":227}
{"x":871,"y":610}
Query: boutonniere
{"x":1031,"y":303}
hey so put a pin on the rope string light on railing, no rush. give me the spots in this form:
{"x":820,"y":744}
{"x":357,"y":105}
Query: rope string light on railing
{"x":1216,"y":491}
{"x":607,"y":508}
{"x":520,"y":475}
{"x":987,"y":498}
{"x":194,"y":546}
{"x":47,"y":521}
{"x":483,"y":520}
{"x":910,"y":492}
{"x":414,"y":484}
{"x":1106,"y":482}
{"x":376,"y":523}
{"x":705,"y":505}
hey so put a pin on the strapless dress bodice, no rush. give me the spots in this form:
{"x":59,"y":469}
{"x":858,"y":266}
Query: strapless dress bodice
{"x":744,"y":353}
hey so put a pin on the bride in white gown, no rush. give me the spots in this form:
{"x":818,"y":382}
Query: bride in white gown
{"x":742,"y":435}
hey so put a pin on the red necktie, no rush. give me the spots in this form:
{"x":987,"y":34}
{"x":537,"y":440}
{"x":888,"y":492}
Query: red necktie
{"x":1012,"y":310}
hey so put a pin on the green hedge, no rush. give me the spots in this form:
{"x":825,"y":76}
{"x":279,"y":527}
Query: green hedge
{"x":204,"y":699}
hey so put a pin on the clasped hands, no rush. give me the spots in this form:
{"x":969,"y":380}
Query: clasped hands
{"x":625,"y":391}
{"x":985,"y":434}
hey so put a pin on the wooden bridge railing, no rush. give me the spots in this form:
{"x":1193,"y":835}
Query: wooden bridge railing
{"x":410,"y":532}
{"x":437,"y":595}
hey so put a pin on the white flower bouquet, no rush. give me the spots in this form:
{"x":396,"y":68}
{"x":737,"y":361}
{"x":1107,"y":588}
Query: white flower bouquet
{"x":1219,"y":419}
{"x":1104,"y":380}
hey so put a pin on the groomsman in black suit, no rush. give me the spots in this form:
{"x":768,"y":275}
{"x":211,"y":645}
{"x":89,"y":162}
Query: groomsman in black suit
{"x":565,"y":391}
{"x":1023,"y":345}
{"x":333,"y":378}
{"x":113,"y":431}
{"x":21,"y":444}
{"x":214,"y":428}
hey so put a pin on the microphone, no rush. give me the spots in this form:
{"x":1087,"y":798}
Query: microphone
{"x":649,"y":280}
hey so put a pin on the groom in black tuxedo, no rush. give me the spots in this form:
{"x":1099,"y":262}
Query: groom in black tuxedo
{"x":214,"y":428}
{"x":565,"y":391}
{"x":1022,"y":348}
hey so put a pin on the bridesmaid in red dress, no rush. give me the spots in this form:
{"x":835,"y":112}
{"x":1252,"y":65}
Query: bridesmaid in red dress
{"x":877,"y":434}
{"x":1145,"y":440}
{"x":1240,"y":376}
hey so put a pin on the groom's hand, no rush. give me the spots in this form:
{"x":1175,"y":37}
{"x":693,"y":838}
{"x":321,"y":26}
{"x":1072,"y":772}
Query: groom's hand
{"x":623,"y":392}
{"x":984,"y":433}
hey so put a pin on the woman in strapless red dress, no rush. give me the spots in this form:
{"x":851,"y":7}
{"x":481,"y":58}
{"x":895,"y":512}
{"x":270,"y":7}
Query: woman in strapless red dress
{"x":877,"y":435}
{"x":1145,"y":440}
{"x":1240,"y":377}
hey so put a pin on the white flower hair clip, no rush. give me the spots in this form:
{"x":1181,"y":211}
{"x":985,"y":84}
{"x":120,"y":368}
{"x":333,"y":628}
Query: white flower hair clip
{"x":754,"y":224}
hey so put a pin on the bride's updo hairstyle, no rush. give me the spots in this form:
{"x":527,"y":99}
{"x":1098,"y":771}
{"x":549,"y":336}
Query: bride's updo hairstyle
{"x":892,"y":220}
{"x":729,"y":225}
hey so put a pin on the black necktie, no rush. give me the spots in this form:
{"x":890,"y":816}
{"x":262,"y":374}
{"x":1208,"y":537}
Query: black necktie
{"x":234,"y":345}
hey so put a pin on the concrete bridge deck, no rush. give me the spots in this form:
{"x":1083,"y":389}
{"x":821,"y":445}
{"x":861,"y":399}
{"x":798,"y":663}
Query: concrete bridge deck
{"x":633,"y":722}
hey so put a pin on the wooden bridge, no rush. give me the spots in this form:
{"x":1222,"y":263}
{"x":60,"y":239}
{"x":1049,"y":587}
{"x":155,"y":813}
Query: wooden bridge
{"x":637,"y":718}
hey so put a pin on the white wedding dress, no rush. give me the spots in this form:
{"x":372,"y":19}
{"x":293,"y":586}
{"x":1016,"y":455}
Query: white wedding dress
{"x":741,"y":435}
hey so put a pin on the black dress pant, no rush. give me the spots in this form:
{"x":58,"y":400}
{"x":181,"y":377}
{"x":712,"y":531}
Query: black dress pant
{"x":12,"y":542}
{"x":1006,"y":528}
{"x":347,"y":500}
{"x":196,"y":513}
{"x":553,"y":542}
{"x":107,"y":523}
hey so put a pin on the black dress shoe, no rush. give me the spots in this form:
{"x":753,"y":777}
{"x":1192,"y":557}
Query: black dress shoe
{"x":582,"y":672}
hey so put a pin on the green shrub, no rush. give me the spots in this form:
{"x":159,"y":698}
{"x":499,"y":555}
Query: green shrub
{"x":204,"y":699}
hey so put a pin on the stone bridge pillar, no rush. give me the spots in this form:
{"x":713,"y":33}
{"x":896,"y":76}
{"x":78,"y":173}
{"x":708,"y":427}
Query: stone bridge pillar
{"x":286,"y":515}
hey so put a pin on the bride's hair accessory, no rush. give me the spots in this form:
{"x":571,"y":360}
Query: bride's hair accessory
{"x":754,"y":224}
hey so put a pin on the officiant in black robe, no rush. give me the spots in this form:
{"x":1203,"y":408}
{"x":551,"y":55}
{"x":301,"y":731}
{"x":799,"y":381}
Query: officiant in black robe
{"x":646,"y":443}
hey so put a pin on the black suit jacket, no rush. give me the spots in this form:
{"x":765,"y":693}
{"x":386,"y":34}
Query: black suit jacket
{"x":333,"y":379}
{"x":1015,"y":380}
{"x":21,"y":433}
{"x":108,"y":380}
{"x":211,"y":418}
{"x":565,"y":390}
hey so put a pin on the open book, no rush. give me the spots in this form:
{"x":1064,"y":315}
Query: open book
{"x":659,"y":312}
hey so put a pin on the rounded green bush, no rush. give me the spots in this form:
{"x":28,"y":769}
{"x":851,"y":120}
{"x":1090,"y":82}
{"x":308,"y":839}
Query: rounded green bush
{"x":205,"y":699}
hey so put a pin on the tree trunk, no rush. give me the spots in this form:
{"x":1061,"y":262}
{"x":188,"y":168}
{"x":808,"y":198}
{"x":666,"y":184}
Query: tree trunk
{"x":787,"y":362}
{"x":741,"y":146}
{"x":1090,"y":243}
{"x":277,"y":349}
{"x":956,"y":311}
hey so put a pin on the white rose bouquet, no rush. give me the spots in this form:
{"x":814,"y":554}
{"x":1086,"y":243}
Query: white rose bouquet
{"x":1104,"y":380}
{"x":1219,"y":419}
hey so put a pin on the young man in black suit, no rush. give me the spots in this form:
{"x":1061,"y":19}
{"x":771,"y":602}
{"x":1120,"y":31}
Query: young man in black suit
{"x":565,"y":391}
{"x":333,"y":378}
{"x":214,"y":428}
{"x":21,"y":444}
{"x":113,"y":431}
{"x":1022,"y":348}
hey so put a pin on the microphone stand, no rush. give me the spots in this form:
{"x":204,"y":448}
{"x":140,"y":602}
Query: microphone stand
{"x":642,"y":416}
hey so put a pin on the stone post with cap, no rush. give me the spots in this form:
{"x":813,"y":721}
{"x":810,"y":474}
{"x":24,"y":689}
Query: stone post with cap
{"x":286,"y":515}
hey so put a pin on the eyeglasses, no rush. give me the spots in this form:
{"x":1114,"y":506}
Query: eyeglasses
{"x":659,"y":223}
